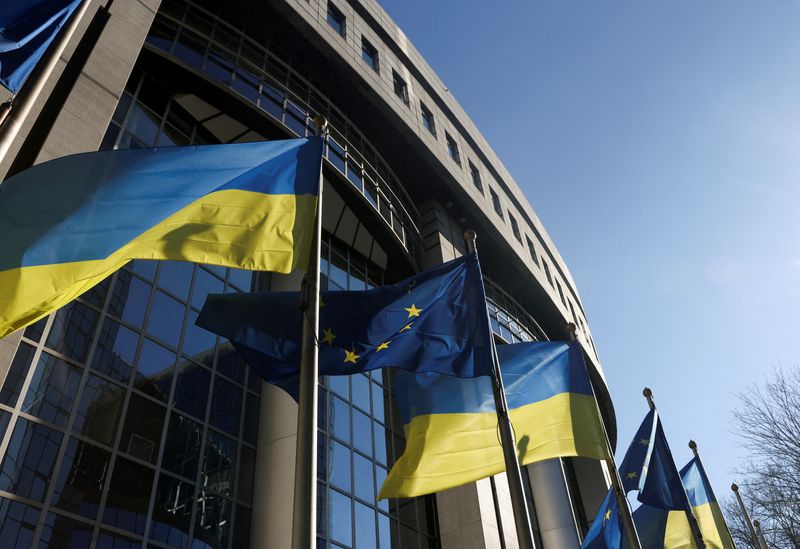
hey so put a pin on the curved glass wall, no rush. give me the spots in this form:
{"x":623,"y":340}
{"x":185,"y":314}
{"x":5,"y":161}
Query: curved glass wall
{"x":510,"y":321}
{"x":224,"y":54}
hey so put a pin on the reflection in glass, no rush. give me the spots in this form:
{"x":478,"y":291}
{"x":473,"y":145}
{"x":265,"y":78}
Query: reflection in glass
{"x":198,"y":344}
{"x":340,"y":419}
{"x":241,"y":279}
{"x":28,"y":464}
{"x":219,"y":464}
{"x":205,"y":283}
{"x":212,"y":524}
{"x":365,"y":527}
{"x":176,"y":276}
{"x":191,"y":389}
{"x":241,"y":534}
{"x":16,"y":374}
{"x":17,"y":523}
{"x":360,"y":386}
{"x":80,"y":482}
{"x":128,"y":496}
{"x":143,"y":267}
{"x":182,"y":447}
{"x":226,"y":406}
{"x":339,"y":474}
{"x":166,"y":319}
{"x":247,"y":471}
{"x":116,"y":349}
{"x":97,"y":416}
{"x":72,"y":330}
{"x":251,"y":411}
{"x":142,"y":433}
{"x":61,"y":532}
{"x":172,"y":512}
{"x":340,"y":518}
{"x":107,"y":540}
{"x":362,"y":475}
{"x":52,"y":390}
{"x":129,"y":298}
{"x":154,"y":370}
{"x":362,"y":432}
{"x":230,"y":363}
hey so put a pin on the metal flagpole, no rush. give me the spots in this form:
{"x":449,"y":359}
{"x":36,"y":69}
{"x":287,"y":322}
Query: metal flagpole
{"x":304,"y":517}
{"x":519,"y":503}
{"x":623,"y":504}
{"x":14,"y":112}
{"x":761,"y":541}
{"x":696,"y":534}
{"x":693,"y":446}
{"x":746,"y":515}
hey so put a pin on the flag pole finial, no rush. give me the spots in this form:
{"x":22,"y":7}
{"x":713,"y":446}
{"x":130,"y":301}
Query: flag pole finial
{"x":648,"y":394}
{"x":572,"y":331}
{"x":470,"y":237}
{"x":734,"y":487}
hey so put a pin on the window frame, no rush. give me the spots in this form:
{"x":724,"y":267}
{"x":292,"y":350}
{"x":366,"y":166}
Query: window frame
{"x":498,"y":206}
{"x":452,"y":148}
{"x":428,"y":120}
{"x":370,"y":55}
{"x":335,"y":15}
{"x":400,"y":87}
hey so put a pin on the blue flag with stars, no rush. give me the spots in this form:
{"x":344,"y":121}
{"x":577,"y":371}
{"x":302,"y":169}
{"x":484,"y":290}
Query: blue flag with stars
{"x":433,"y":322}
{"x":606,"y":529}
{"x":648,"y":467}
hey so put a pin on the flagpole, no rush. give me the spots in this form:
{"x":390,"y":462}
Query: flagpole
{"x":304,"y":517}
{"x":696,"y":534}
{"x":519,"y":503}
{"x":693,"y":446}
{"x":623,"y":504}
{"x":14,"y":111}
{"x":761,"y":541}
{"x":746,"y":515}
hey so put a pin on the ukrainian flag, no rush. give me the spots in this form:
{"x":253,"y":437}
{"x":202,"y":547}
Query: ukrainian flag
{"x":670,"y":529}
{"x":451,"y":423}
{"x":69,"y":223}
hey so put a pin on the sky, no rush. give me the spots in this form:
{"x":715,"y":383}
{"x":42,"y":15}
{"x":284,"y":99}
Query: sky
{"x":659,"y":143}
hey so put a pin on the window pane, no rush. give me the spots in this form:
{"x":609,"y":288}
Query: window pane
{"x":115,"y":351}
{"x":154,"y":370}
{"x":72,"y":330}
{"x":97,"y":415}
{"x":182,"y":447}
{"x":191,"y":389}
{"x":360,"y":384}
{"x":52,"y":390}
{"x":142,"y":433}
{"x":339,"y":474}
{"x":339,"y":419}
{"x":362,"y":432}
{"x":166,"y":319}
{"x":176,"y":277}
{"x":28,"y":464}
{"x":128,"y":496}
{"x":61,"y":532}
{"x":205,"y":283}
{"x":129,"y":298}
{"x":212,"y":525}
{"x":198,"y":344}
{"x":226,"y":406}
{"x":230,"y":363}
{"x":247,"y":473}
{"x":172,"y":512}
{"x":340,"y":517}
{"x":82,"y":477}
{"x":219,"y":464}
{"x":251,"y":412}
{"x":17,"y":524}
{"x":362,"y":476}
{"x":16,"y":374}
{"x":365,"y":527}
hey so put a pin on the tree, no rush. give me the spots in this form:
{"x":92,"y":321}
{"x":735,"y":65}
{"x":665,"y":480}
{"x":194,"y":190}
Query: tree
{"x":768,"y":425}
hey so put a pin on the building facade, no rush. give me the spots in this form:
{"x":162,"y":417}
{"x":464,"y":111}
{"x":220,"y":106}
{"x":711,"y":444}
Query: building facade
{"x":123,"y":425}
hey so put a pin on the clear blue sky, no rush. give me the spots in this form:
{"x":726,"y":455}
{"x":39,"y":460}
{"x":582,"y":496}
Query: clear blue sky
{"x":659,"y":142}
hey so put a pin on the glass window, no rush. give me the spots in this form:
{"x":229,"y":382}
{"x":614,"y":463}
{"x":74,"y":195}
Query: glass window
{"x":82,"y":477}
{"x":72,"y":330}
{"x":251,"y":411}
{"x":115,"y":350}
{"x":475,"y":174}
{"x":400,"y":86}
{"x":230,"y":363}
{"x":532,"y":250}
{"x":362,"y":476}
{"x":28,"y":464}
{"x":141,"y":436}
{"x":191,"y":389}
{"x":361,"y":390}
{"x":205,"y":283}
{"x":176,"y":277}
{"x":427,"y":118}
{"x":60,"y":531}
{"x":182,"y":446}
{"x":362,"y":432}
{"x":247,"y":473}
{"x":561,"y":293}
{"x":97,"y":415}
{"x":339,"y":419}
{"x":241,"y":279}
{"x":496,"y":203}
{"x":128,"y":496}
{"x":219,"y":464}
{"x":198,"y":343}
{"x":172,"y":512}
{"x":52,"y":390}
{"x":154,"y":370}
{"x":369,"y":54}
{"x":339,"y":462}
{"x":452,"y":148}
{"x":212,"y":525}
{"x":336,"y":19}
{"x":166,"y":319}
{"x":365,"y":526}
{"x":17,"y":524}
{"x":129,"y":298}
{"x":241,"y":533}
{"x":226,"y":406}
{"x":514,"y":227}
{"x":107,"y":540}
{"x":340,"y":517}
{"x":16,"y":374}
{"x":35,"y":330}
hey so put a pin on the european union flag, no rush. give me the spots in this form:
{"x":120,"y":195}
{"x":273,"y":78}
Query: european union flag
{"x":606,"y":529}
{"x":648,"y":467}
{"x":27,"y":28}
{"x":433,"y":322}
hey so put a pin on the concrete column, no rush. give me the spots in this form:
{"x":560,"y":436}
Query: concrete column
{"x":273,"y":490}
{"x":553,"y":505}
{"x":467,"y":518}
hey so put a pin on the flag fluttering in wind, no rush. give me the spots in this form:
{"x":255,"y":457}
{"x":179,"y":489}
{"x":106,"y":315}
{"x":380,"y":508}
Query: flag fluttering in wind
{"x":670,"y":529}
{"x":27,"y":28}
{"x":451,"y":424}
{"x":68,"y":223}
{"x":606,"y":529}
{"x":433,"y":322}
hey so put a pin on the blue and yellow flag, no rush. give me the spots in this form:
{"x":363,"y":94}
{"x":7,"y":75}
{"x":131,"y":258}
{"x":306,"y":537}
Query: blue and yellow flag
{"x":27,"y":28}
{"x":606,"y":529}
{"x":69,"y":223}
{"x":433,"y":322}
{"x":670,"y":529}
{"x":649,"y":468}
{"x":451,"y":424}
